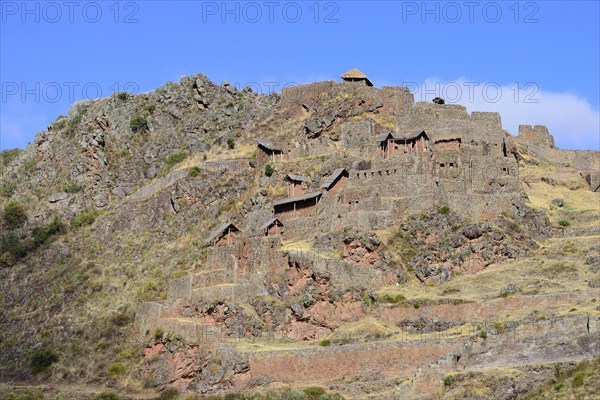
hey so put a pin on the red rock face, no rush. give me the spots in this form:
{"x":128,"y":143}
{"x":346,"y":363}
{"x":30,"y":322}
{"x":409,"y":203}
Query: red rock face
{"x":153,"y":350}
{"x":357,"y":253}
{"x":240,"y":381}
{"x":215,"y":315}
{"x":182,"y":368}
{"x":300,"y":330}
{"x":331,"y":315}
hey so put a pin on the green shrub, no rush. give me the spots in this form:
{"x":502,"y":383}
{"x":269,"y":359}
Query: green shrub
{"x":7,"y":156}
{"x":231,"y":143}
{"x":23,"y":395}
{"x":73,"y":123}
{"x":60,"y":122}
{"x":448,"y":380}
{"x":168,"y":394}
{"x":194,"y":171}
{"x":41,"y":359}
{"x":268,"y":170}
{"x":325,"y":343}
{"x":128,"y":354}
{"x":16,"y":246}
{"x":41,"y":234}
{"x":293,"y":394}
{"x":117,"y":369}
{"x":138,"y":123}
{"x":483,"y":334}
{"x":14,"y":215}
{"x":558,"y":386}
{"x":417,"y":306}
{"x":314,"y":392}
{"x":159,"y":333}
{"x":578,"y":378}
{"x":176,"y":158}
{"x":194,"y":396}
{"x":564,"y":223}
{"x":122,"y":96}
{"x":500,"y":327}
{"x":150,"y":108}
{"x":72,"y":187}
{"x":29,"y":165}
{"x":8,"y":188}
{"x":106,"y":396}
{"x":393,"y":299}
{"x":123,"y":316}
{"x":13,"y":248}
{"x":85,"y":218}
{"x":557,"y":371}
{"x":331,"y":396}
{"x":444,"y":210}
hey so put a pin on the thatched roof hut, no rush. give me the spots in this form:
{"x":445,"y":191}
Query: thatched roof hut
{"x":354,"y":75}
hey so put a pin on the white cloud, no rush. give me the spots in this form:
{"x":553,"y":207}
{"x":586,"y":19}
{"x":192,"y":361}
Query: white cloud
{"x":572,"y":120}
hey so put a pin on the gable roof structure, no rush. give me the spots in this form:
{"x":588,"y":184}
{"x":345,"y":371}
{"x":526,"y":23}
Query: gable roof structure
{"x":270,"y":222}
{"x":305,"y":196}
{"x":217,"y":232}
{"x":296,"y":178}
{"x":384,"y":136}
{"x":413,"y":135}
{"x":267,"y":144}
{"x":355,"y":75}
{"x":332,"y":178}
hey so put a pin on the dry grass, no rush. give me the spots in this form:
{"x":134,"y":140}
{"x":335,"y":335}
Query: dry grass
{"x":550,"y":270}
{"x":363,"y":328}
{"x":215,"y":154}
{"x":296,"y":245}
{"x":582,"y":206}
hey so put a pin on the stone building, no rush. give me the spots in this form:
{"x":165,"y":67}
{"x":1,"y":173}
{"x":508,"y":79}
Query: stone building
{"x":355,"y":76}
{"x":296,"y":184}
{"x":416,"y":143}
{"x":267,"y":152}
{"x":225,"y":235}
{"x":447,"y":144}
{"x":293,"y":207}
{"x":337,"y":181}
{"x":272,"y":227}
{"x":537,"y":135}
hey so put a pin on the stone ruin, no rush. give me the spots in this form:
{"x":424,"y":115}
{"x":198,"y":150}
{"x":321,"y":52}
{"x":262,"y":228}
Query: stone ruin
{"x":537,"y":135}
{"x":436,"y":155}
{"x":431,"y":155}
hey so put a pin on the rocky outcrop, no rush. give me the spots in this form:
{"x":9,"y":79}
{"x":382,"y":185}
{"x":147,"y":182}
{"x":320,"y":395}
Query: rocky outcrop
{"x":440,"y":243}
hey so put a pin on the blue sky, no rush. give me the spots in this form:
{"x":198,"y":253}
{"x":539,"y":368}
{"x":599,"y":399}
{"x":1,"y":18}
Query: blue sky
{"x":537,"y":62}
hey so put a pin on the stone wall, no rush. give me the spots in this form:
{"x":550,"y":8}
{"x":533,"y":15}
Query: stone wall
{"x":449,"y":120}
{"x":147,"y":317}
{"x":595,"y":181}
{"x":429,"y":359}
{"x":349,"y":362}
{"x":480,"y":186}
{"x":489,"y":310}
{"x":537,"y":135}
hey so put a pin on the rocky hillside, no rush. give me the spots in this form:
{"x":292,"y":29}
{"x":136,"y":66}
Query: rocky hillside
{"x":108,"y":282}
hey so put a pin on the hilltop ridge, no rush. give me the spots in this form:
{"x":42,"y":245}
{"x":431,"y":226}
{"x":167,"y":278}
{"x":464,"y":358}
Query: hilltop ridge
{"x":214,"y":240}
